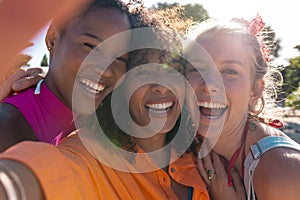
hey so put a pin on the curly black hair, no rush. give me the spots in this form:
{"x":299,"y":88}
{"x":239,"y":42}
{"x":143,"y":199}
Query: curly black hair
{"x":164,"y":25}
{"x":95,"y":4}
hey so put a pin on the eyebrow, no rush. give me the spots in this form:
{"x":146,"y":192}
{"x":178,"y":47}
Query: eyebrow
{"x":233,"y":62}
{"x":93,"y":36}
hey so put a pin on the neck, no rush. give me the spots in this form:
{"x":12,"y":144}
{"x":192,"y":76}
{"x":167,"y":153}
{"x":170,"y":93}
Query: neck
{"x":229,"y":142}
{"x":153,"y":143}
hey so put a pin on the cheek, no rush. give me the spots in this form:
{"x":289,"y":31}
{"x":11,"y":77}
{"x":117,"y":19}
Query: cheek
{"x":119,"y":73}
{"x":180,"y":94}
{"x":70,"y":60}
{"x":195,"y":86}
{"x":134,"y":97}
{"x":238,"y":93}
{"x":194,"y":81}
{"x":135,"y":106}
{"x":128,"y":89}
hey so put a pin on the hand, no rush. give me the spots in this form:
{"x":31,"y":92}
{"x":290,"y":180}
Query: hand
{"x":21,"y":79}
{"x":213,"y":173}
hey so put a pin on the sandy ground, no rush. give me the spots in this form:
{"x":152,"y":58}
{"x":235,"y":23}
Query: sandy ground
{"x":292,"y":127}
{"x":291,"y":122}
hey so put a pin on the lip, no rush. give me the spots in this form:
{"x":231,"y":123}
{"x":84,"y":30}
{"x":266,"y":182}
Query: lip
{"x":96,"y":74}
{"x":93,"y":88}
{"x":211,"y":112}
{"x":161,"y":107}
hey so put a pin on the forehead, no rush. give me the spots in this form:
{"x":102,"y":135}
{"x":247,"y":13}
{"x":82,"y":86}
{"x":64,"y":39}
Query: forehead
{"x":104,"y":21}
{"x":225,"y":47}
{"x":144,"y":56}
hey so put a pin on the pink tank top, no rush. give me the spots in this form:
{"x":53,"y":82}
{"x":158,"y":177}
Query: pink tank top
{"x":48,"y":117}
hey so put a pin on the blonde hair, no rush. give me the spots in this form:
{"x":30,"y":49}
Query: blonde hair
{"x":261,"y":68}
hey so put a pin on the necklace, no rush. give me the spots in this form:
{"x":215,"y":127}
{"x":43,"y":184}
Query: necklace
{"x":270,"y":122}
{"x":236,"y":155}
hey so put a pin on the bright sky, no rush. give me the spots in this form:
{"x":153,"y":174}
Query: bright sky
{"x":282,"y":16}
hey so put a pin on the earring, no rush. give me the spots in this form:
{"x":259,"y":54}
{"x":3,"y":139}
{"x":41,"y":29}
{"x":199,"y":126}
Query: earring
{"x":49,"y":48}
{"x":251,"y":124}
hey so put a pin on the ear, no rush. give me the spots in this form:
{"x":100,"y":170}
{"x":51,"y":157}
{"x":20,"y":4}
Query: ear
{"x":257,"y":92}
{"x":51,"y":38}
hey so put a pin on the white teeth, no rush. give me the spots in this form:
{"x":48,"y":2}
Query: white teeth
{"x":160,"y":106}
{"x":211,"y":105}
{"x":92,"y":86}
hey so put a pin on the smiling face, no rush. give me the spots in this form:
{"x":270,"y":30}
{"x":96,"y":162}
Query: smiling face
{"x":158,"y":93}
{"x":232,"y":61}
{"x":72,"y":45}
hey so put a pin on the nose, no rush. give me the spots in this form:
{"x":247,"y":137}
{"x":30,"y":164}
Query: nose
{"x":159,"y":89}
{"x":211,"y":85}
{"x":104,"y":71}
{"x":110,"y":71}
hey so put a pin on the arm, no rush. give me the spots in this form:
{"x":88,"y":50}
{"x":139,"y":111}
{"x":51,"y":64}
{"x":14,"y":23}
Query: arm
{"x":25,"y":22}
{"x":17,"y":180}
{"x":277,"y":175}
{"x":14,"y":128}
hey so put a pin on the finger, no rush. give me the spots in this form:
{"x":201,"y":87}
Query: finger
{"x":18,"y":74}
{"x":5,"y":91}
{"x":237,"y":181}
{"x":208,"y":164}
{"x":202,"y":171}
{"x":6,"y":87}
{"x":33,"y":71}
{"x":209,"y":167}
{"x":26,"y":82}
{"x":219,"y":167}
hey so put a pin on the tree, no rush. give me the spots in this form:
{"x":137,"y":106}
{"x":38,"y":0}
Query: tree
{"x":165,"y":5}
{"x":44,"y":62}
{"x":293,"y":100}
{"x":291,"y":75}
{"x":196,"y":11}
{"x":272,"y":42}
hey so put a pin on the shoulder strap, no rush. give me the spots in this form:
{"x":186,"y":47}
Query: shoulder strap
{"x":38,"y":87}
{"x":253,"y":158}
{"x":271,"y":142}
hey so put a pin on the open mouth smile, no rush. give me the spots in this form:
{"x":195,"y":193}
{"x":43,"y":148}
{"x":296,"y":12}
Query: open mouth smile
{"x":212,"y":110}
{"x":159,"y":108}
{"x":92,"y":86}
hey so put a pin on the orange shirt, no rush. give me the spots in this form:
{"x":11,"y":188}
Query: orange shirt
{"x":69,"y":171}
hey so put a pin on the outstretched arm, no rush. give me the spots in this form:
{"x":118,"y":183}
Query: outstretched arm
{"x":18,"y":182}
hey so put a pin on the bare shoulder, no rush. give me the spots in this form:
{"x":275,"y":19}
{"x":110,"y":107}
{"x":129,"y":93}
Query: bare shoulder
{"x":13,"y":126}
{"x":277,"y":175}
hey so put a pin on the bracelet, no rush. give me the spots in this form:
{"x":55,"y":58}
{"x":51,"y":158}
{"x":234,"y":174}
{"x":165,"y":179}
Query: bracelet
{"x":11,"y":183}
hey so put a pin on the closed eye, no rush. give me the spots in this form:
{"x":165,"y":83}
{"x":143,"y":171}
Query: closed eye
{"x":91,"y":46}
